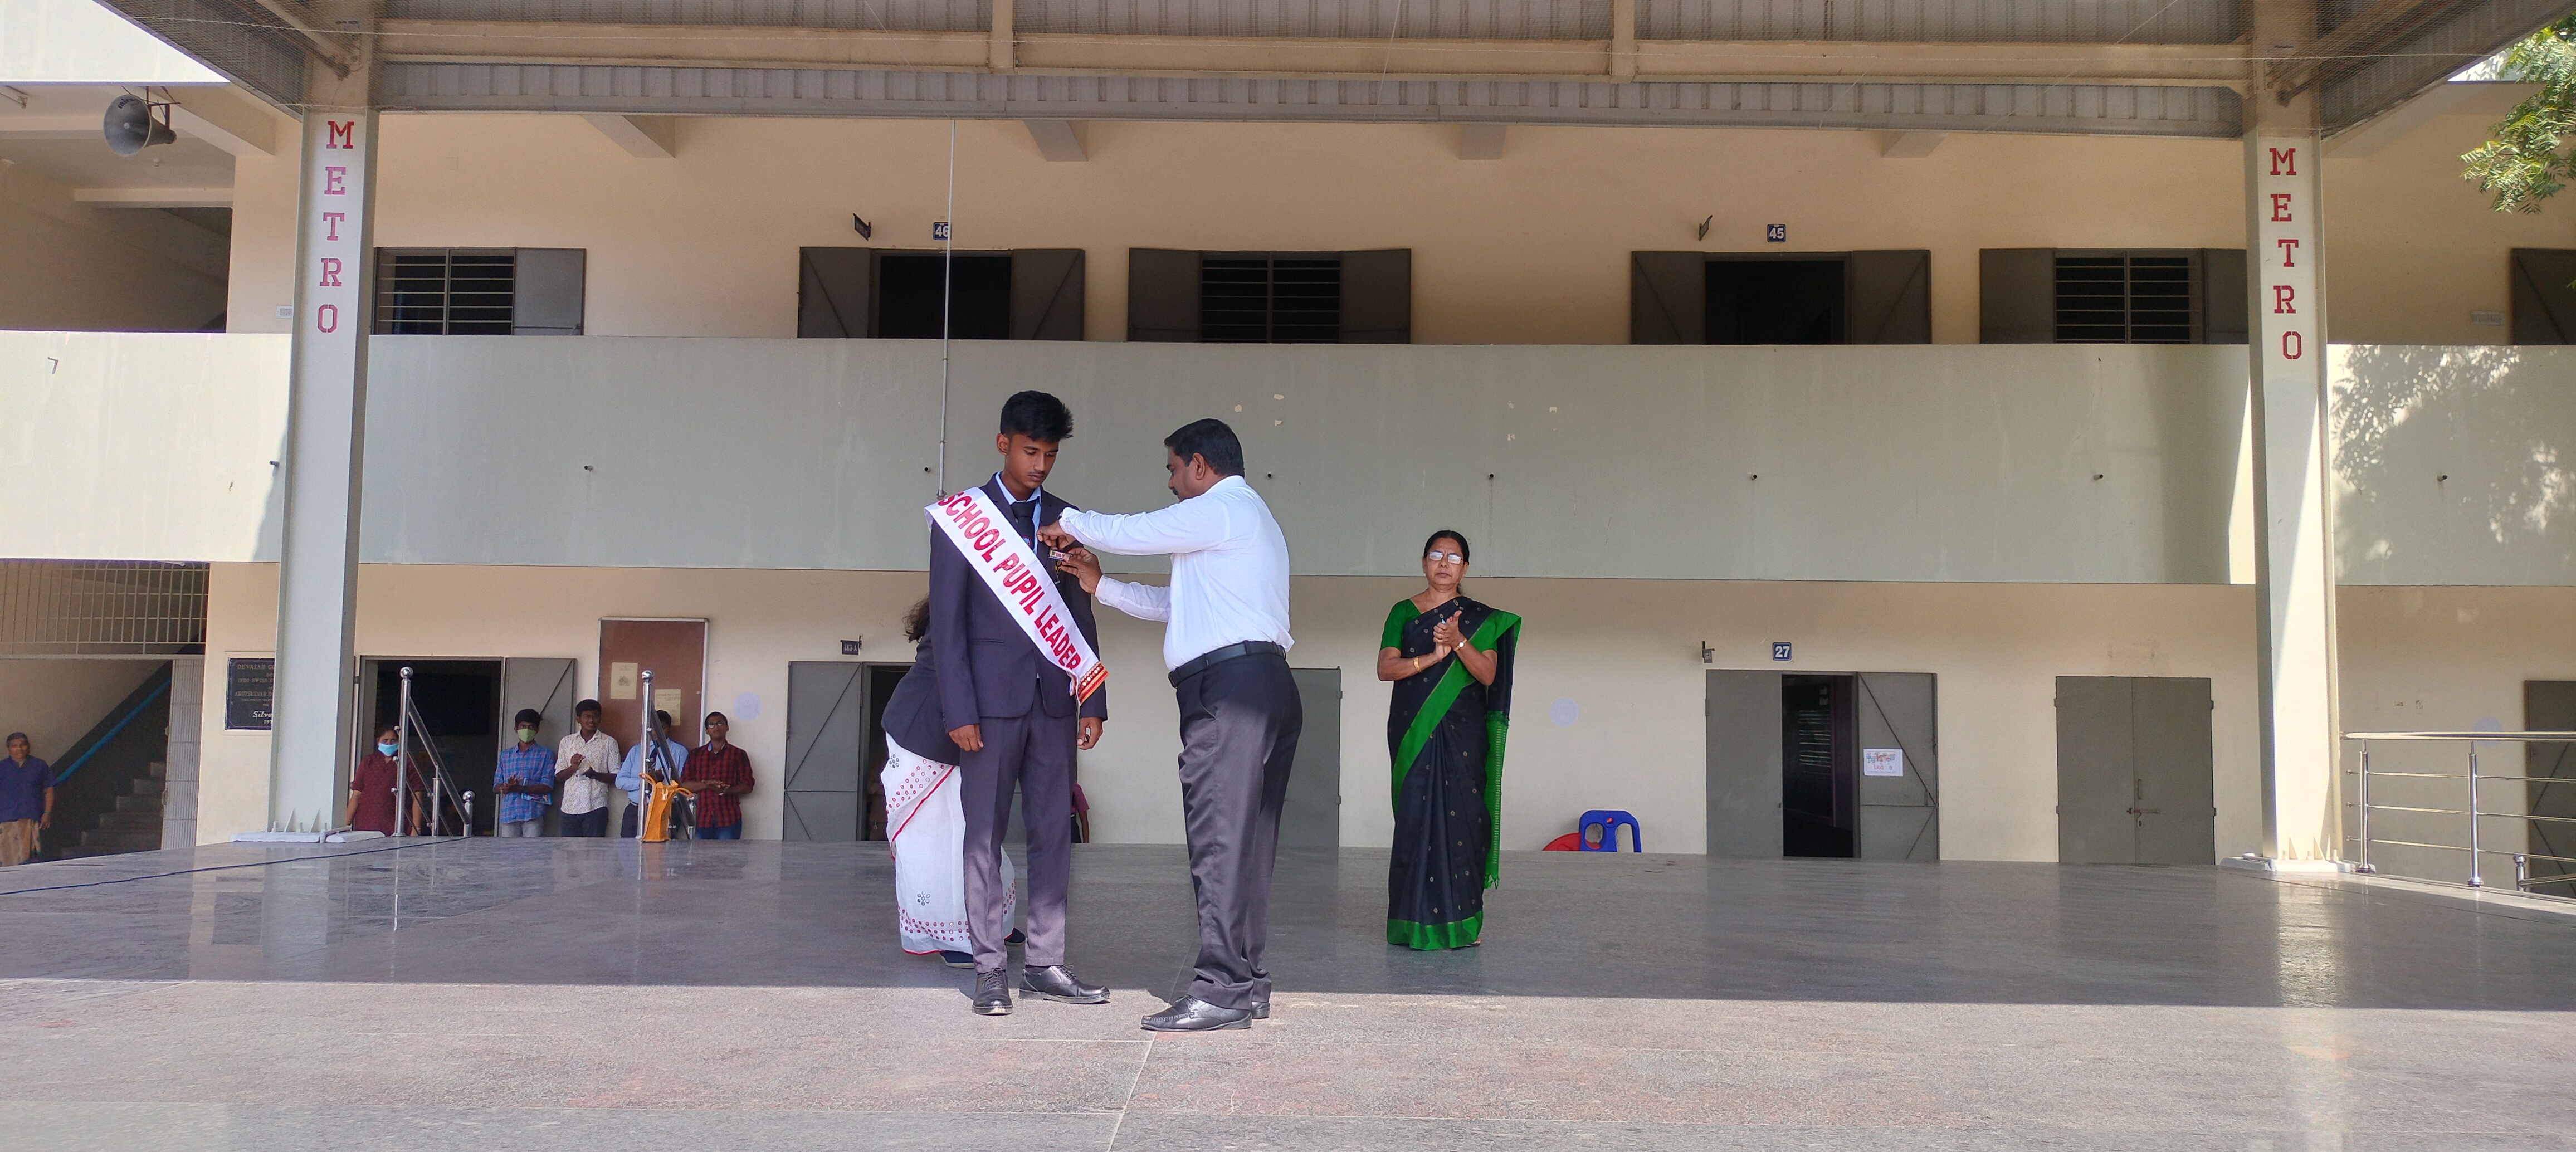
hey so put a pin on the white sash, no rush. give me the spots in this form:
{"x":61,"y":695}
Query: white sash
{"x":984,"y":537}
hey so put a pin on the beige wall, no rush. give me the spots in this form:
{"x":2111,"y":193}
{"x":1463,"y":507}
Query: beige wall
{"x":67,"y":266}
{"x":2446,"y":659}
{"x":1532,"y":248}
{"x":232,"y":767}
{"x":1625,"y":651}
{"x":56,"y":699}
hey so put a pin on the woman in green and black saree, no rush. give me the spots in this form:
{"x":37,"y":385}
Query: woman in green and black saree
{"x":1451,"y":660}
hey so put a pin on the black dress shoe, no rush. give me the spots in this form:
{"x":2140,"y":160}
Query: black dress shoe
{"x":992,"y":994}
{"x":1016,"y":938}
{"x":1057,"y":982}
{"x":1192,"y":1014}
{"x":956,"y":959}
{"x":1260,"y":1009}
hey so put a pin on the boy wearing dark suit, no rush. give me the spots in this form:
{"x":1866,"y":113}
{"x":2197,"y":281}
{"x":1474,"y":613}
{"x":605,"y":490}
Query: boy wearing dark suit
{"x":1011,"y":712}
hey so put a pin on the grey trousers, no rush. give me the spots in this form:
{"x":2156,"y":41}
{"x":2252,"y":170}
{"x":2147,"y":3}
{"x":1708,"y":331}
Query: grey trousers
{"x":1239,"y":725}
{"x":1032,"y":755}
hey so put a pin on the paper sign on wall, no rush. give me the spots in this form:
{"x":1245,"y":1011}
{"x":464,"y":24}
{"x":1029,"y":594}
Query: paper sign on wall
{"x":1882,"y":761}
{"x":668,"y":700}
{"x":621,"y":681}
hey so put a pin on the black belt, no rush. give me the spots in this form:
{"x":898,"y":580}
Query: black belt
{"x":1218,"y":656}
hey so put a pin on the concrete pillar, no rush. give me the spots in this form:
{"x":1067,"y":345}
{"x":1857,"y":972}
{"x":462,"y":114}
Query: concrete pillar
{"x":309,"y":745}
{"x":2294,"y":569}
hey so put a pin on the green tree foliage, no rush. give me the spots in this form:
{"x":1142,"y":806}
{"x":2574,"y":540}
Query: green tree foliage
{"x":2523,"y":164}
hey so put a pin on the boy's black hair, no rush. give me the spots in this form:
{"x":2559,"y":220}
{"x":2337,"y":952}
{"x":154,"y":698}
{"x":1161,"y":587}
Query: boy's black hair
{"x":1037,"y":416}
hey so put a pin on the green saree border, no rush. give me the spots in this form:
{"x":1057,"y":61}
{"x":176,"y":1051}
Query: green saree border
{"x":1497,"y":724}
{"x":1436,"y":937}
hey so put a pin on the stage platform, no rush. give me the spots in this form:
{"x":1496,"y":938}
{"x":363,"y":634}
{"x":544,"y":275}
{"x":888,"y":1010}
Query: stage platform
{"x":503,"y":995}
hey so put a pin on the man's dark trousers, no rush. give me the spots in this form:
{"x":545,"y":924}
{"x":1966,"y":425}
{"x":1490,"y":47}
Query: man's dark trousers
{"x":992,"y":676}
{"x":1239,"y":725}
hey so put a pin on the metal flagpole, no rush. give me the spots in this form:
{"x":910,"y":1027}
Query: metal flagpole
{"x":947,"y":290}
{"x":402,"y":753}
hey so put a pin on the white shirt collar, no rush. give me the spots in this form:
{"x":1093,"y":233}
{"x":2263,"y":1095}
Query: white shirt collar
{"x":1038,"y":493}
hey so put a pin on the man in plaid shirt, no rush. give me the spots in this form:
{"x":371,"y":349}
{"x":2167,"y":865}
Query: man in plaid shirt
{"x":525,"y":778}
{"x":718,"y":774}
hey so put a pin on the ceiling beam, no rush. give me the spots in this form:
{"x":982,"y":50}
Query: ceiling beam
{"x":53,"y":126}
{"x":643,"y":137}
{"x":514,"y":42}
{"x":1059,"y":140}
{"x":155,"y":197}
{"x":1481,"y":141}
{"x":224,"y":119}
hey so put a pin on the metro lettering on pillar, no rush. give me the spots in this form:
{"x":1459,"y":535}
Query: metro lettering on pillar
{"x":340,"y":134}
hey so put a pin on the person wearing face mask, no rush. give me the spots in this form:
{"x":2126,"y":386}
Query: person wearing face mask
{"x":371,"y":790}
{"x":525,"y":778}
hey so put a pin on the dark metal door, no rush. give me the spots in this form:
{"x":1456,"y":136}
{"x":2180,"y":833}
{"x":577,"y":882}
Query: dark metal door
{"x":1744,"y":764}
{"x":2176,"y":806}
{"x":1312,"y":817}
{"x":827,"y":725}
{"x":2134,"y":771}
{"x":1900,"y":815}
{"x":2096,"y":772}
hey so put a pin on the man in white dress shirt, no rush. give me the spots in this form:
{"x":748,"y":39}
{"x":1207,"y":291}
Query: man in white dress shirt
{"x":1226,"y":643}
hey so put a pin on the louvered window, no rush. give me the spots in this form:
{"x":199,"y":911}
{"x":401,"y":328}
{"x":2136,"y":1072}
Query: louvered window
{"x":1270,"y":298}
{"x":444,"y":292}
{"x":479,"y":291}
{"x":2124,"y":298}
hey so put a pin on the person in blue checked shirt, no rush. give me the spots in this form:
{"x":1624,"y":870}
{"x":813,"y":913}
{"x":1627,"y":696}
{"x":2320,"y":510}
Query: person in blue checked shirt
{"x":525,"y":778}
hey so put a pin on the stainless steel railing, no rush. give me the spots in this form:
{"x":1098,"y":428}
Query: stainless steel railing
{"x":444,"y":796}
{"x":2475,"y":815}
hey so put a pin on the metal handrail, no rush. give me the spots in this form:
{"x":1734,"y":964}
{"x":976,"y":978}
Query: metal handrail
{"x":656,"y":762}
{"x":441,"y":786}
{"x":2477,"y":879}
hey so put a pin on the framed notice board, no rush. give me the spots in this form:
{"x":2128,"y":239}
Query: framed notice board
{"x":250,"y":684}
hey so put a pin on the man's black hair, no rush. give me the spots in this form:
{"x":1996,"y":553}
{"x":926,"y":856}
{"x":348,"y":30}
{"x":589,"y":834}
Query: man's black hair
{"x":529,"y":716}
{"x":1209,"y":438}
{"x":591,"y":706}
{"x":662,"y":718}
{"x":17,"y":736}
{"x":1448,"y":534}
{"x":1037,"y":416}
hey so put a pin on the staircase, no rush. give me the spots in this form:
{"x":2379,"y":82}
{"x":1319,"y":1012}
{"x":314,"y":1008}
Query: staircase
{"x":134,"y":825}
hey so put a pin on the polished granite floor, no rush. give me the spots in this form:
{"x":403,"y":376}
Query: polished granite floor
{"x":527,"y":994}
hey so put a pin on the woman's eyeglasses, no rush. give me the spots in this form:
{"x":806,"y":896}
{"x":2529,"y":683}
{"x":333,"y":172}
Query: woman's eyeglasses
{"x":1451,"y":557}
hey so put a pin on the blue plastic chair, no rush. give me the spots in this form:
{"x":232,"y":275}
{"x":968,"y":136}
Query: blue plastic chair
{"x":1608,"y":820}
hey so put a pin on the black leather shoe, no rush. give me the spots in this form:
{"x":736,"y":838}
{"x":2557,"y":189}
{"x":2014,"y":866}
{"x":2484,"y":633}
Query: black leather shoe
{"x":1192,"y":1014}
{"x":1016,"y":938}
{"x":957,"y":959}
{"x":1260,"y":1009}
{"x":992,"y":994}
{"x":1057,"y":982}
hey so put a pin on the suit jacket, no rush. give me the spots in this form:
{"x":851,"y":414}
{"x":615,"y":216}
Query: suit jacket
{"x":912,"y":713}
{"x":987,"y":666}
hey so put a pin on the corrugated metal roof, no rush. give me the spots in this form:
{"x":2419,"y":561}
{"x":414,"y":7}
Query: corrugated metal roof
{"x":2417,"y":62}
{"x":1954,"y":21}
{"x":2059,"y":108}
{"x":1371,"y":19}
{"x":1945,"y":21}
{"x":263,"y":59}
{"x":884,"y":15}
